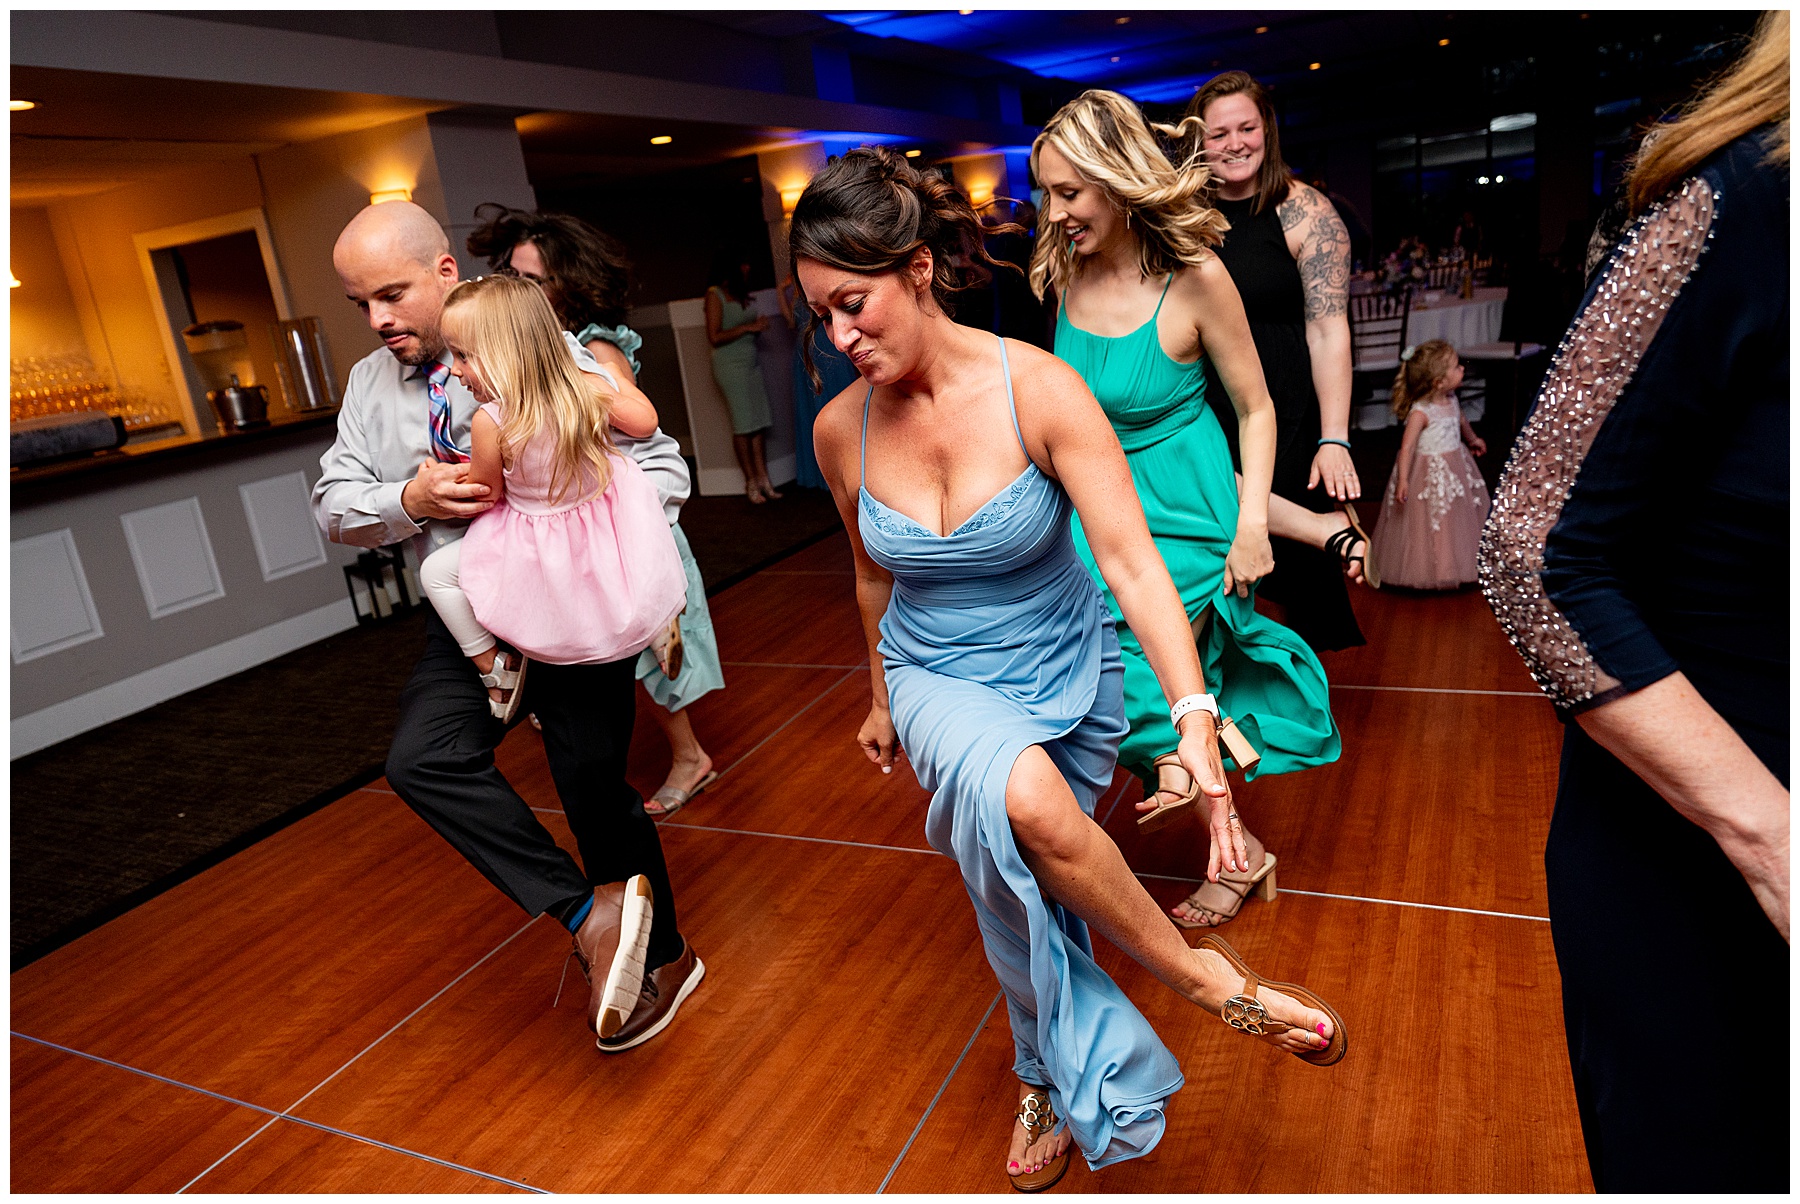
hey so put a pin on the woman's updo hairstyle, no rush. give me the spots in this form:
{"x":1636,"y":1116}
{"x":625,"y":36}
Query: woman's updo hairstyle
{"x":1105,"y":137}
{"x":869,"y":210}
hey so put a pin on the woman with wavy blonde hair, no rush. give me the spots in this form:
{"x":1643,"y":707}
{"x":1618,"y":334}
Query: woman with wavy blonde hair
{"x":1126,"y":240}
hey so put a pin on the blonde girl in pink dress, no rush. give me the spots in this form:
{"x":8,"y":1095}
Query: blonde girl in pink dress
{"x":575,"y":563}
{"x":1436,"y":501}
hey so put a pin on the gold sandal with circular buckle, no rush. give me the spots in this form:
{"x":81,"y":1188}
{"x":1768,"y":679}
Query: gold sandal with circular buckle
{"x":1039,"y":1118}
{"x":1246,"y":1013}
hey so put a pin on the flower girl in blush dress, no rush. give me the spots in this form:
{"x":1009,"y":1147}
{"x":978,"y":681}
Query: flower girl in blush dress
{"x":1436,"y":501}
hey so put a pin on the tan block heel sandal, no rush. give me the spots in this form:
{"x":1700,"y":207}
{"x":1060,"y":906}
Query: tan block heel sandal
{"x":1246,"y":1013}
{"x":1232,"y":742}
{"x":1038,"y":1119}
{"x":1225,"y":898}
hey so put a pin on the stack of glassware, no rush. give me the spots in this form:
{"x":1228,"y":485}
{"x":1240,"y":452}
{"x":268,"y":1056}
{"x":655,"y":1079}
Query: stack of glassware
{"x":69,"y":384}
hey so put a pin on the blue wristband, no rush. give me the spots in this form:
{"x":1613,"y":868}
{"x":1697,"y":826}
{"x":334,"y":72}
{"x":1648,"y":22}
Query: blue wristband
{"x":1343,"y":443}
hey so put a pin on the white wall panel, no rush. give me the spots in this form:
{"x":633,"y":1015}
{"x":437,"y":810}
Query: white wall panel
{"x":51,"y":606}
{"x":279,"y":510}
{"x":173,"y":556}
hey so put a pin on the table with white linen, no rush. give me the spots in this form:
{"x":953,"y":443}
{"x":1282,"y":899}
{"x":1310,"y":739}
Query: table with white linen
{"x":1458,"y":322}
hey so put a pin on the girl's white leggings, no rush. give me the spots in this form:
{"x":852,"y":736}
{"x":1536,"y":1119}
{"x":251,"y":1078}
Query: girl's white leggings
{"x":441,"y":575}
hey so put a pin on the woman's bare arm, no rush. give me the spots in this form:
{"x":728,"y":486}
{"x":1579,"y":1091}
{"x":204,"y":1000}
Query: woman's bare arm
{"x":834,"y":437}
{"x":1225,"y":336}
{"x":1668,"y":735}
{"x":1065,"y":426}
{"x":1321,"y":247}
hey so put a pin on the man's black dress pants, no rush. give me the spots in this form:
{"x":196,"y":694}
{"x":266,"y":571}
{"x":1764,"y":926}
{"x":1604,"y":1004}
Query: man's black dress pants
{"x":442,"y":764}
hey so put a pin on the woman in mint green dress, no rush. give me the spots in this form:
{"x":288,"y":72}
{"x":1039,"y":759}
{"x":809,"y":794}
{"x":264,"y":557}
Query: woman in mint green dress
{"x":1125,"y":243}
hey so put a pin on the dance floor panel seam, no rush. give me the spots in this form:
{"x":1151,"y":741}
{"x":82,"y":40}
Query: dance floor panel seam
{"x":272,"y":1115}
{"x":942,"y":1087}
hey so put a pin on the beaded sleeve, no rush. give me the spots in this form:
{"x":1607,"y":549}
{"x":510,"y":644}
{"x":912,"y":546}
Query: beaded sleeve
{"x":1591,"y":369}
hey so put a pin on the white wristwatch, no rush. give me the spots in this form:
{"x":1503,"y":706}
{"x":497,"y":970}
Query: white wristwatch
{"x":1191,"y":703}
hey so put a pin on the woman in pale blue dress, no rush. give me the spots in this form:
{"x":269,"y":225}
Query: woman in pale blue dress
{"x":995,"y":665}
{"x":584,"y":274}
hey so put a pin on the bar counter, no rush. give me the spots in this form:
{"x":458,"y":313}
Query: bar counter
{"x":35,"y":483}
{"x":154,"y":569}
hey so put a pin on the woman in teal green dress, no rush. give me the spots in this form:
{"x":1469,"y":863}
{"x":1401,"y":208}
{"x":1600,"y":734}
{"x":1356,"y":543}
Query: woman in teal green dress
{"x":1124,"y":240}
{"x":732,"y":324}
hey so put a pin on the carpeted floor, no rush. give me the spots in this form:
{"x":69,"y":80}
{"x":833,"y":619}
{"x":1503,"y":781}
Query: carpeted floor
{"x":107,"y":819}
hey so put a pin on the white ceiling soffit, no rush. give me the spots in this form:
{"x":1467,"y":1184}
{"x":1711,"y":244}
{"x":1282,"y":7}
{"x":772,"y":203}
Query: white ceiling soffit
{"x":152,"y":44}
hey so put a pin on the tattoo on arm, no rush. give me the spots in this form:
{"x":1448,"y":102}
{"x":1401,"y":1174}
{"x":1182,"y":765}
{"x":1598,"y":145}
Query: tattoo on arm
{"x":1324,"y":258}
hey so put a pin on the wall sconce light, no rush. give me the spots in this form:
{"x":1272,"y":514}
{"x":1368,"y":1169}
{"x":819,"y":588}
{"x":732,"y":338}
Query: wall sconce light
{"x":16,"y":282}
{"x":19,"y":106}
{"x":1314,"y":66}
{"x":662,"y":140}
{"x":913,"y":154}
{"x":390,"y":194}
{"x":981,"y":194}
{"x":789,"y":198}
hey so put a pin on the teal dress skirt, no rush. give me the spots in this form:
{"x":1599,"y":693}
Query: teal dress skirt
{"x":996,"y":640}
{"x":701,"y":673}
{"x":1263,"y":674}
{"x":736,"y":370}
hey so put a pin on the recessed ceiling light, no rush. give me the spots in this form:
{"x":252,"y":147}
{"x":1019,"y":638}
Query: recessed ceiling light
{"x":1262,"y":29}
{"x":963,"y":12}
{"x":1313,"y":66}
{"x":1121,"y":20}
{"x":19,"y":106}
{"x":1499,"y":179}
{"x":662,"y":140}
{"x":1443,"y":41}
{"x":912,"y":154}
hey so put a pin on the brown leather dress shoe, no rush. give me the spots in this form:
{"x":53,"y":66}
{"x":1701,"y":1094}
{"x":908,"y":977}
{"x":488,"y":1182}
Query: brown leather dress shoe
{"x":610,"y":946}
{"x":663,"y":990}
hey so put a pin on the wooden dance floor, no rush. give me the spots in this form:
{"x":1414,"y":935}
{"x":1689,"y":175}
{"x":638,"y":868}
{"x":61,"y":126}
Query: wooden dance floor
{"x":348,"y":1006}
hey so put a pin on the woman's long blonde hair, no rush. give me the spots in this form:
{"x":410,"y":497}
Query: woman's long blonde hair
{"x":505,"y":328}
{"x":1105,"y":137}
{"x":1751,"y":94}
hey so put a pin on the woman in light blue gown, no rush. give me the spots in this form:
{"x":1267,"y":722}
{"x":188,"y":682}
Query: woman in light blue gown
{"x":995,"y":665}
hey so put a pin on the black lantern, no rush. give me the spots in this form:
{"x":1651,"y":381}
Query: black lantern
{"x":381,"y":584}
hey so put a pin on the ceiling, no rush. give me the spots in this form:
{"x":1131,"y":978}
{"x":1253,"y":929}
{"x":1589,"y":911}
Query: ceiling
{"x":92,"y":132}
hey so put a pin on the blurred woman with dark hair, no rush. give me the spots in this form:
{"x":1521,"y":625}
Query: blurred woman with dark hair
{"x":732,"y":325}
{"x":586,"y":277}
{"x":1289,"y":255}
{"x":1637,"y":557}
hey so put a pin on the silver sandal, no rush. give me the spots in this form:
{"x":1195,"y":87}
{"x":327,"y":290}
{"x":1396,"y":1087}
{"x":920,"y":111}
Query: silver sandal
{"x":503,"y":677}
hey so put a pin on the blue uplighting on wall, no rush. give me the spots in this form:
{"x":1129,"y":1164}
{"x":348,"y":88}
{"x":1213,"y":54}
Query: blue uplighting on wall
{"x":1133,"y":59}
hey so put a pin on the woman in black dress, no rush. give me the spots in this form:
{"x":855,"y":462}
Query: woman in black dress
{"x":1289,"y":255}
{"x":1637,"y":556}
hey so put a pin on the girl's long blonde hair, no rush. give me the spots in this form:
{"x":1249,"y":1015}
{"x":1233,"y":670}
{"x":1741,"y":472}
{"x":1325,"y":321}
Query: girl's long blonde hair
{"x":1752,"y":94}
{"x":1105,"y":137}
{"x":1421,"y":368}
{"x":509,"y":334}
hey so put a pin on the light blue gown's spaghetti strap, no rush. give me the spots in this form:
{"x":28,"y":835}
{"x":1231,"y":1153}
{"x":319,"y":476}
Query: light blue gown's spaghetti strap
{"x":996,"y":639}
